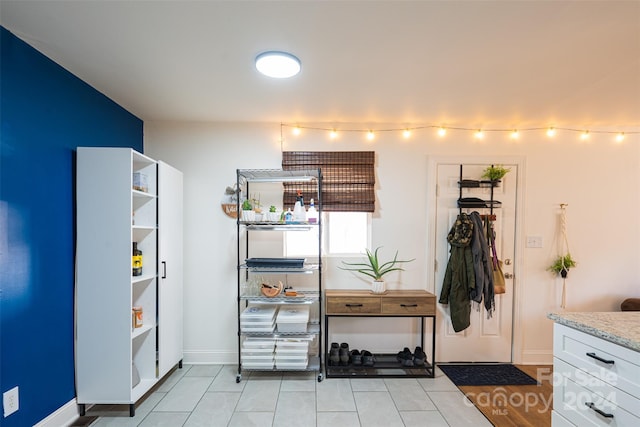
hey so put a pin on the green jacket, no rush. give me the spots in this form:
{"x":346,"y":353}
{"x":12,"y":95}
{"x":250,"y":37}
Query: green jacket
{"x":459,"y":278}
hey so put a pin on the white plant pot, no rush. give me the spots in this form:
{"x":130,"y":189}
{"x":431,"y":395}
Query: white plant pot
{"x":378,"y":287}
{"x":248,"y":216}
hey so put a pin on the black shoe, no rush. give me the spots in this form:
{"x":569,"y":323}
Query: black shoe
{"x":367,"y":358}
{"x":344,"y":354}
{"x":405,"y":357}
{"x":334,"y":354}
{"x":419,"y":357}
{"x":356,"y":357}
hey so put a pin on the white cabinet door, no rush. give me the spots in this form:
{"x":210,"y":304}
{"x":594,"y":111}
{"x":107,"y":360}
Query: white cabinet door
{"x":170,"y":270}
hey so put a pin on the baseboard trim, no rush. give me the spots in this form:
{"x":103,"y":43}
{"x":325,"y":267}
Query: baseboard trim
{"x":537,"y":357}
{"x":196,"y":357}
{"x":64,"y":416}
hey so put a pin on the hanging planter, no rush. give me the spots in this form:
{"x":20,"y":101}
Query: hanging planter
{"x":562,"y":264}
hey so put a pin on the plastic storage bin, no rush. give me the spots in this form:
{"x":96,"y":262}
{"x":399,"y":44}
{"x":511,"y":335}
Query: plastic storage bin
{"x":293,"y":319}
{"x":258,"y":318}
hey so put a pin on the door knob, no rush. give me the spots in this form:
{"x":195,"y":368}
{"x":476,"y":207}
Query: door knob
{"x":508,"y":276}
{"x":507,"y":262}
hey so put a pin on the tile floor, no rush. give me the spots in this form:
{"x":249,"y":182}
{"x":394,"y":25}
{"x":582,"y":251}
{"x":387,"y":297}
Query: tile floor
{"x":208,"y":395}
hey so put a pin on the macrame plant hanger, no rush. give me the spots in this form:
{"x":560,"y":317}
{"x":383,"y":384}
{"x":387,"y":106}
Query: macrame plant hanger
{"x":565,"y":250}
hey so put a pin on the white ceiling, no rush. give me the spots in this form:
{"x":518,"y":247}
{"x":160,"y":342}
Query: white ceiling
{"x":461,"y":63}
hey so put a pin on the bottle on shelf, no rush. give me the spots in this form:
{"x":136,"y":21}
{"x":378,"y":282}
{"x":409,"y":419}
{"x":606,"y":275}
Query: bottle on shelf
{"x":299,"y":213}
{"x":136,"y":260}
{"x":312,"y":213}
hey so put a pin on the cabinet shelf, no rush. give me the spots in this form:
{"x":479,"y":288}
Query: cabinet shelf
{"x":304,"y":297}
{"x":306,"y":269}
{"x":143,"y":278}
{"x":386,"y":365}
{"x":279,"y":226}
{"x":312,"y":330}
{"x":140,"y":331}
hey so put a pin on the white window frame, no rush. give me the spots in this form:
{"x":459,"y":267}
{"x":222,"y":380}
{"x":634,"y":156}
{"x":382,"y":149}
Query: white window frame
{"x":326,"y":239}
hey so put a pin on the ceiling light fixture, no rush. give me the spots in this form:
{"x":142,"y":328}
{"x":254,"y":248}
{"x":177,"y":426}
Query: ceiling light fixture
{"x":279,"y":65}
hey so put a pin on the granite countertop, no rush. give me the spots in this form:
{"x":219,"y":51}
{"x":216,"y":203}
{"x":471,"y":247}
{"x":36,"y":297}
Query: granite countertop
{"x":619,"y":327}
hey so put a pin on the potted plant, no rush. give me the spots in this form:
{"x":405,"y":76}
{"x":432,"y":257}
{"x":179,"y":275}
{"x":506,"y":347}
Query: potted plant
{"x":273,"y":214}
{"x":375,"y":268}
{"x":247,"y":211}
{"x":562,"y":264}
{"x":495,"y":173}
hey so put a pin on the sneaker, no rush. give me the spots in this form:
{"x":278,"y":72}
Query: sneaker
{"x":334,"y":354}
{"x":419,"y":357}
{"x":344,"y":354}
{"x":405,"y":357}
{"x":367,"y":358}
{"x":356,"y":357}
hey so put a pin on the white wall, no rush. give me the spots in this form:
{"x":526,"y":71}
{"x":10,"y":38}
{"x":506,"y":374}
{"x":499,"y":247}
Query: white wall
{"x":600,"y":180}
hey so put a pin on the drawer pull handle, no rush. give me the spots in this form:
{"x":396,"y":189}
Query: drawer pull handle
{"x":408,"y":305}
{"x":353,"y":305}
{"x":592,"y":405}
{"x":608,"y":362}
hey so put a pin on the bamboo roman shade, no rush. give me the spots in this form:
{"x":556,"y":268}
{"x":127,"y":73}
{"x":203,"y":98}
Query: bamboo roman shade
{"x":348,"y":183}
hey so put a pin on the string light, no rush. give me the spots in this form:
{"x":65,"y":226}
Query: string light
{"x":478,"y":133}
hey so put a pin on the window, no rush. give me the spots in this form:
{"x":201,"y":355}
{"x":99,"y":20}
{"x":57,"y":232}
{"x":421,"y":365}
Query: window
{"x":348,"y":198}
{"x":344,"y":233}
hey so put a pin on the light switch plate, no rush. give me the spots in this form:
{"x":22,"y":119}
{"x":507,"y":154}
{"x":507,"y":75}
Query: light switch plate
{"x":534,"y":241}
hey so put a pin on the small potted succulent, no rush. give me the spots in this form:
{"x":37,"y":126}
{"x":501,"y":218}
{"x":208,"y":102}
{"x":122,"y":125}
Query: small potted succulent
{"x":562,"y":264}
{"x":273,"y":215}
{"x":375,"y":269}
{"x":248,"y":214}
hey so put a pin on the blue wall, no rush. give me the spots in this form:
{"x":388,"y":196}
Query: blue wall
{"x":46,"y":113}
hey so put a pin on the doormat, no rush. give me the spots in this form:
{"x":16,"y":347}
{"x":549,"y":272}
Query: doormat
{"x":486,"y":374}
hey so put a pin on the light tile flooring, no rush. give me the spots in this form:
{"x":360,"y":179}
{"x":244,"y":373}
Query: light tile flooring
{"x":208,"y":395}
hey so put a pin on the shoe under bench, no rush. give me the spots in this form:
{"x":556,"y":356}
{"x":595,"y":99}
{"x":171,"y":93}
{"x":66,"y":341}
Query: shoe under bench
{"x":393,"y":303}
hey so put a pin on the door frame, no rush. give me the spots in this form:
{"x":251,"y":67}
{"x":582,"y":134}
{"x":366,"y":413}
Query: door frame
{"x":517,"y":339}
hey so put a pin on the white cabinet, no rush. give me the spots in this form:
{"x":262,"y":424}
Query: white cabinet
{"x":117,"y":363}
{"x":596,"y":382}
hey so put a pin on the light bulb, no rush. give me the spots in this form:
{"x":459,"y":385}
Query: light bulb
{"x":370,"y":135}
{"x":551,"y":132}
{"x":515,"y":134}
{"x":585,"y":135}
{"x":479,"y":134}
{"x":442,"y":132}
{"x":296,"y":131}
{"x":620,"y":137}
{"x":333,"y":134}
{"x":406,"y":133}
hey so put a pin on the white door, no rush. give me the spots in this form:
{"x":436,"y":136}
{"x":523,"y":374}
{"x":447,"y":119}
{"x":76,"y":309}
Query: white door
{"x":487,"y":339}
{"x":170,"y":310}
